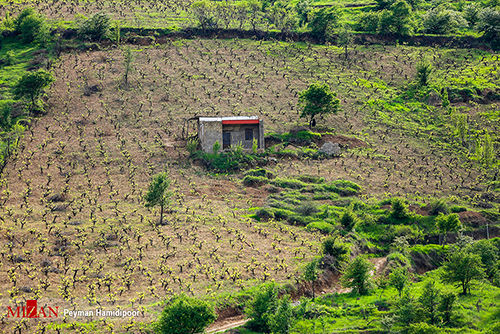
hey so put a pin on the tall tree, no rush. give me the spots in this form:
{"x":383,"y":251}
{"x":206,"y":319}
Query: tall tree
{"x":158,"y":193}
{"x":398,"y":278}
{"x":318,"y":99}
{"x":128,"y":59}
{"x":345,"y":39}
{"x":447,"y":223}
{"x":357,"y":275}
{"x":462,"y":269}
{"x":31,"y":86}
{"x":311,"y":274}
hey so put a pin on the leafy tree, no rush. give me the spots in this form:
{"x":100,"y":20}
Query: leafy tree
{"x":429,"y":301}
{"x":357,"y":275}
{"x":204,"y":12}
{"x":348,"y":220}
{"x":489,"y":24}
{"x":254,"y":12}
{"x":424,"y":70}
{"x":303,"y":8}
{"x":384,"y":4}
{"x":406,"y":310}
{"x":262,"y":307}
{"x":399,"y":209}
{"x":318,"y":99}
{"x":158,"y":193}
{"x":311,"y":274}
{"x":324,"y":20}
{"x":184,"y":315}
{"x":282,"y":16}
{"x":442,"y":21}
{"x":31,"y":26}
{"x":396,"y":20}
{"x":31,"y":86}
{"x":447,"y":223}
{"x":489,"y":257}
{"x":445,"y":307}
{"x":345,"y":38}
{"x":471,"y":13}
{"x":95,"y":28}
{"x":462,"y":268}
{"x":398,"y":278}
{"x":241,"y":13}
{"x":461,"y":126}
{"x":280,"y":322}
{"x":368,"y":22}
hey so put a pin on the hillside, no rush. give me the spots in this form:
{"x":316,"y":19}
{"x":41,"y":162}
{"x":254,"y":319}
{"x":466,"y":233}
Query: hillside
{"x":75,"y":231}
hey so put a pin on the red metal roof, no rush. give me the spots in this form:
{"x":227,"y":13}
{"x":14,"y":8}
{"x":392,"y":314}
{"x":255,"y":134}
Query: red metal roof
{"x":241,"y":121}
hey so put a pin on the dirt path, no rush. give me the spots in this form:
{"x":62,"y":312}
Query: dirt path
{"x":226,"y":324}
{"x":335,"y":287}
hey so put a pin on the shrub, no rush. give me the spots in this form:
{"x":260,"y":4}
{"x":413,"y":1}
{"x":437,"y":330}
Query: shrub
{"x":252,"y":181}
{"x":424,"y":70}
{"x":95,"y":28}
{"x":289,"y":183}
{"x":192,"y":146}
{"x":399,"y":209}
{"x":321,"y":226}
{"x":368,"y":22}
{"x":442,"y":21}
{"x":337,"y":250}
{"x":31,"y":26}
{"x":264,"y":214}
{"x":324,"y":20}
{"x":260,"y":172}
{"x":307,"y":209}
{"x":439,"y":206}
{"x":348,"y":220}
{"x":262,"y":307}
{"x":185,"y":315}
{"x":489,"y":24}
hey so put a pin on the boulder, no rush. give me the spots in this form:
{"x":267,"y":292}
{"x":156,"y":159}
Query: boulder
{"x":330,"y":149}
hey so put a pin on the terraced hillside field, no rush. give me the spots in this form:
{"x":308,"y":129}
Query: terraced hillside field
{"x":74,"y":226}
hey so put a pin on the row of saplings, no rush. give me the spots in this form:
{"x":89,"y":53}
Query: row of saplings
{"x":270,"y":309}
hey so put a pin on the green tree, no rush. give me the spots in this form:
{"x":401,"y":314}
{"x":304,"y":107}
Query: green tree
{"x":399,"y":279}
{"x":488,"y":151}
{"x":429,"y":301}
{"x":443,"y":21}
{"x":311,"y":274}
{"x":396,"y":20}
{"x":424,"y":70}
{"x":158,"y":193}
{"x":303,"y":8}
{"x":348,"y":220}
{"x":489,"y":24}
{"x":345,"y":38}
{"x":184,"y":315}
{"x":281,"y":321}
{"x":399,"y":209}
{"x":262,"y":307}
{"x":31,"y":26}
{"x":357,"y":275}
{"x":461,"y":127}
{"x":204,"y":13}
{"x":128,"y":59}
{"x":31,"y":86}
{"x":316,"y":100}
{"x":489,"y":257}
{"x":447,"y":223}
{"x":324,"y":20}
{"x":95,"y":28}
{"x":445,"y":308}
{"x":462,"y":268}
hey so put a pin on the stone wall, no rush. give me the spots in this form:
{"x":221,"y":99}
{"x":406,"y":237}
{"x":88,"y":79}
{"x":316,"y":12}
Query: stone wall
{"x":208,"y":134}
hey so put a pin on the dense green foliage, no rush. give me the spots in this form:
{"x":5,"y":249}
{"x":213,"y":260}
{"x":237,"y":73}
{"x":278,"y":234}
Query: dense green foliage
{"x":318,"y":100}
{"x":158,"y":193}
{"x":185,"y":315}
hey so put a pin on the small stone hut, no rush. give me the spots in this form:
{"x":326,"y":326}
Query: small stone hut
{"x":230,"y":131}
